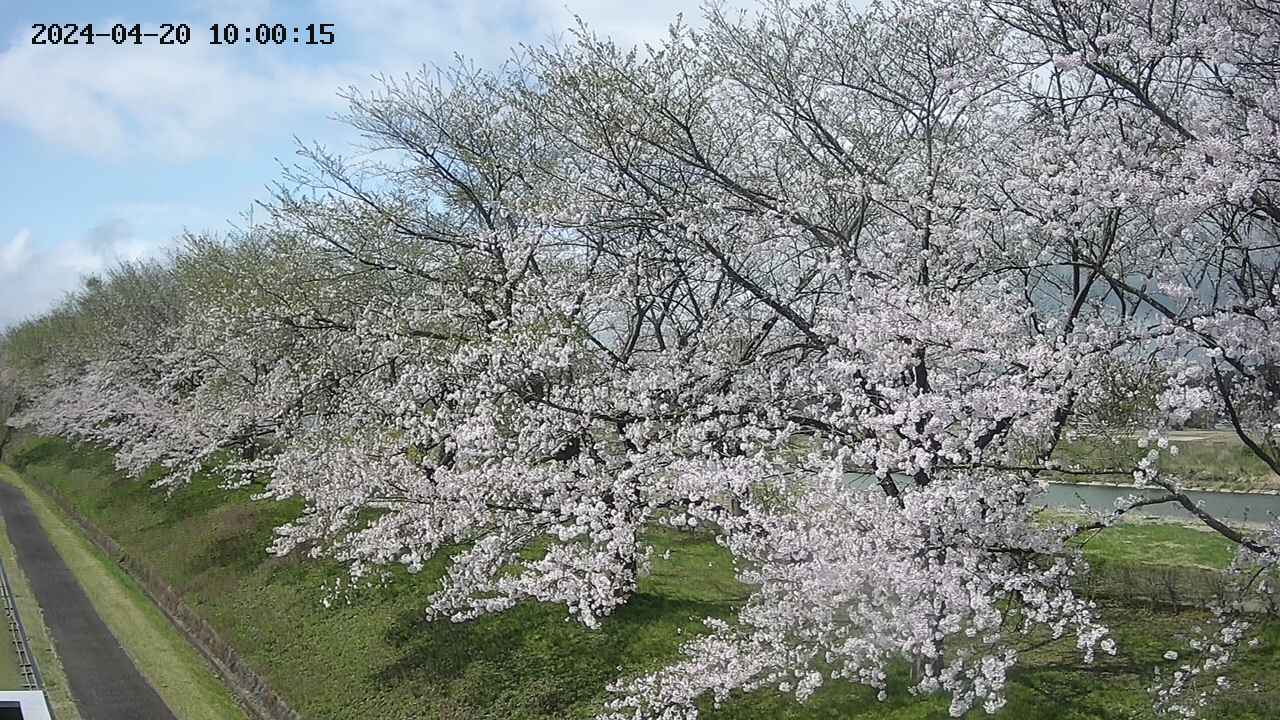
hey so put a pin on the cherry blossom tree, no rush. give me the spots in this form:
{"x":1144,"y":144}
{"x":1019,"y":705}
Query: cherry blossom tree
{"x":1188,"y":92}
{"x":119,"y":364}
{"x":10,"y":399}
{"x":831,"y":284}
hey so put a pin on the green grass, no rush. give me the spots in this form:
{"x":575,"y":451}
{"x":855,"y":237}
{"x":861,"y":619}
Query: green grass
{"x":46,"y":656}
{"x":176,"y":670}
{"x":1213,"y":459}
{"x":10,"y":675}
{"x":382,"y":656}
{"x":1140,"y":563}
{"x":1159,"y":544}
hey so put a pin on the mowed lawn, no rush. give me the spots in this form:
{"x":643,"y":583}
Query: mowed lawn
{"x":379,"y":656}
{"x":1211,"y":459}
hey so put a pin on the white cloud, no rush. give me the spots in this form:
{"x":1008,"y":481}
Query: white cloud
{"x":15,"y":253}
{"x":151,"y":104}
{"x":34,"y":276}
{"x":237,"y":11}
{"x":181,"y":102}
{"x":30,"y":280}
{"x":402,"y":35}
{"x":156,"y":102}
{"x":410,"y":33}
{"x":626,"y":22}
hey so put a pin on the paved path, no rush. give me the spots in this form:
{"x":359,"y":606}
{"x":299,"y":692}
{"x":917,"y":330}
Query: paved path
{"x":104,"y":681}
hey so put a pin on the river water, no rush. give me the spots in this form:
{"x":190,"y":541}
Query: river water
{"x":1237,"y":507}
{"x":1228,"y":506}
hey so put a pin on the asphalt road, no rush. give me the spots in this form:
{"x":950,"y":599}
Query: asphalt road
{"x":104,"y":681}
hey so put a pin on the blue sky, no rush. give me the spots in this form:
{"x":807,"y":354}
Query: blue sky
{"x":109,"y":152}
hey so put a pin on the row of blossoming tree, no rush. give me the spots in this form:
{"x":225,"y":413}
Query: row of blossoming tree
{"x":830,"y":284}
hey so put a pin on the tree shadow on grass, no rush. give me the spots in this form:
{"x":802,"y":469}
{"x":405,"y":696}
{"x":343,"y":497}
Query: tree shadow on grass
{"x":1103,"y":691}
{"x":239,"y":541}
{"x":530,"y":662}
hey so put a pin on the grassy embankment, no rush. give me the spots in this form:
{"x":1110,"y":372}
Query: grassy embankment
{"x":1212,"y":459}
{"x":380,"y":658}
{"x":10,"y":675}
{"x":177,"y":671}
